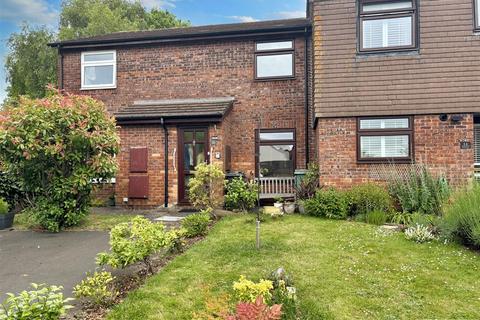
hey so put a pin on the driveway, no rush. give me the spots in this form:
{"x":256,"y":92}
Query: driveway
{"x":54,"y":259}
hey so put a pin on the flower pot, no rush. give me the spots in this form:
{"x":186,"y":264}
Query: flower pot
{"x":301,"y":207}
{"x":289,"y":208}
{"x":6,"y":220}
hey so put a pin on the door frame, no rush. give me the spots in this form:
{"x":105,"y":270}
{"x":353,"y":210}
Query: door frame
{"x":181,"y":192}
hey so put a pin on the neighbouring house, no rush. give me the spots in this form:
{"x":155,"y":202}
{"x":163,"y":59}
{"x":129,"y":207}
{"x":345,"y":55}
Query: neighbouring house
{"x":356,"y":84}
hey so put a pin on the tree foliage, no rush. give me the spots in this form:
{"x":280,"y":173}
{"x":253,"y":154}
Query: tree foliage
{"x":85,"y":18}
{"x":30,"y":64}
{"x":54,"y":147}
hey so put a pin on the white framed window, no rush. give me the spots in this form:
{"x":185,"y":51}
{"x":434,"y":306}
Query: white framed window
{"x":274,"y":60}
{"x":385,"y":139}
{"x":387,"y":25}
{"x":99,"y":70}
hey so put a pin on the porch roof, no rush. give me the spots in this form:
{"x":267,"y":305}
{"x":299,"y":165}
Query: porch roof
{"x":176,"y":110}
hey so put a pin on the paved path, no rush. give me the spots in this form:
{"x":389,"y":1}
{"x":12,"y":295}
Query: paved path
{"x":55,"y":259}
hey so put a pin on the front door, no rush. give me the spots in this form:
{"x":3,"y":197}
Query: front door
{"x":193,"y":150}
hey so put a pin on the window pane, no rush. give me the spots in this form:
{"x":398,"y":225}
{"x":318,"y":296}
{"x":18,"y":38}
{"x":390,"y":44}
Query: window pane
{"x":275,"y":136}
{"x":275,"y":45}
{"x":188,"y":161}
{"x":477,"y":3}
{"x":374,"y":124}
{"x":98,"y":75}
{"x":276,"y":161}
{"x":200,"y":151}
{"x":384,"y":6}
{"x":96,"y":57}
{"x":384,"y":146}
{"x":200,"y":136}
{"x":388,"y":32}
{"x":187,"y":136}
{"x":280,"y":65}
{"x":477,"y":143}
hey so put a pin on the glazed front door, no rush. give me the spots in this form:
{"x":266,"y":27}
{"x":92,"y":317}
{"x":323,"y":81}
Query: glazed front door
{"x":193,"y":150}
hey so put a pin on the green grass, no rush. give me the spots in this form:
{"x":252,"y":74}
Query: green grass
{"x":93,"y":222}
{"x":342,"y":270}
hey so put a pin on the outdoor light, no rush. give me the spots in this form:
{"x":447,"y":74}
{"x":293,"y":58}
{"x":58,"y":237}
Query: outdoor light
{"x":456,"y":118}
{"x":443,"y":117}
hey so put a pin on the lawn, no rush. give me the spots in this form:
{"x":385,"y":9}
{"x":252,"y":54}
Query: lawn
{"x":92,"y":222}
{"x":342,"y":270}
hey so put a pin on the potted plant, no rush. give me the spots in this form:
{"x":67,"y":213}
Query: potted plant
{"x":289,"y":207}
{"x":6,"y":216}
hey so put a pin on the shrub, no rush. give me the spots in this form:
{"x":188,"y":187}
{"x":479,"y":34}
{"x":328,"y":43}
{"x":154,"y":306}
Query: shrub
{"x":257,"y":310}
{"x":309,"y":184}
{"x":404,"y":218}
{"x":241,"y":195}
{"x":376,"y":217}
{"x":97,"y":289}
{"x":196,"y":224}
{"x":134,"y":242}
{"x":418,"y":191}
{"x":249,"y":291}
{"x":54,"y":147}
{"x":3,"y":206}
{"x":462,"y":217}
{"x":328,"y":203}
{"x":206,"y":187}
{"x":419,"y":234}
{"x":368,"y":197}
{"x":44,"y":302}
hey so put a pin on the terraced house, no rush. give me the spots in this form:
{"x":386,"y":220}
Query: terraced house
{"x":355,"y":84}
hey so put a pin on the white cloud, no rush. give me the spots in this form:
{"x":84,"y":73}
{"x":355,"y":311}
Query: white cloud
{"x":35,"y":12}
{"x":162,"y":4}
{"x":291,"y":14}
{"x":243,"y":18}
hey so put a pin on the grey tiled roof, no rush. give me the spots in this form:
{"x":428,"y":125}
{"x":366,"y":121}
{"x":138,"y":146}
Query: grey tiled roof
{"x":199,"y":31}
{"x":177,"y":108}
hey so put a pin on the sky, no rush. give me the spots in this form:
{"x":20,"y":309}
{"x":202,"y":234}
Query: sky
{"x":199,"y":12}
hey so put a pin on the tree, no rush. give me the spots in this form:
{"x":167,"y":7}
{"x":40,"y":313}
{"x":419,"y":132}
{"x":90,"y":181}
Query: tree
{"x":54,"y":147}
{"x":85,"y":18}
{"x":30,"y":64}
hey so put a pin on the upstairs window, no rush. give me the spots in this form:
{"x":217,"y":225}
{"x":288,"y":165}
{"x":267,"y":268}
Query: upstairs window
{"x":476,"y":15}
{"x":387,"y":25}
{"x":99,"y":70}
{"x":385,"y":139}
{"x":274,"y":60}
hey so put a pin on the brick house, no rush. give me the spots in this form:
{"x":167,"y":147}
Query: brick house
{"x":234,"y":95}
{"x":355,"y":84}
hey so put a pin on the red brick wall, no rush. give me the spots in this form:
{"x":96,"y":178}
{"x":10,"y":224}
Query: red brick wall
{"x":436,"y":144}
{"x":199,"y":70}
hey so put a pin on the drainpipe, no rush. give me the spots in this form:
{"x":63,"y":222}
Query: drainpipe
{"x":165,"y":130}
{"x":307,"y":98}
{"x":60,"y":74}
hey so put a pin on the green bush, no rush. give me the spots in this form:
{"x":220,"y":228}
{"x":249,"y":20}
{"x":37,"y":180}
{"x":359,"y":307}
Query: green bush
{"x":241,"y":195}
{"x":248,"y":291}
{"x":45,"y":303}
{"x":376,"y":217}
{"x":10,"y":189}
{"x":206,"y":188}
{"x":54,"y":147}
{"x":135,"y":242}
{"x":419,"y":191}
{"x":196,"y":224}
{"x":3,"y":206}
{"x":404,"y":218}
{"x":368,"y":197}
{"x":97,"y":289}
{"x":328,"y":203}
{"x":462,"y":217}
{"x":309,"y":184}
{"x":283,"y":293}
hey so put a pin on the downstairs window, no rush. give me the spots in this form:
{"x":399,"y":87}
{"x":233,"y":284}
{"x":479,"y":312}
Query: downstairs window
{"x":384,"y":139}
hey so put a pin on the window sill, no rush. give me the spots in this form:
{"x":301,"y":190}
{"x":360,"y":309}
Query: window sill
{"x":388,"y":53}
{"x":385,"y":161}
{"x":275,"y":79}
{"x":98,"y":88}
